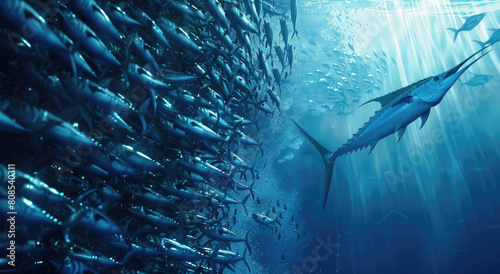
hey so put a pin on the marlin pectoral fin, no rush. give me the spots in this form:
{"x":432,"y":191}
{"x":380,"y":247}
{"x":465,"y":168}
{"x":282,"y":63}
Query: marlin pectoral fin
{"x":424,"y":118}
{"x":401,"y":131}
{"x":404,"y":100}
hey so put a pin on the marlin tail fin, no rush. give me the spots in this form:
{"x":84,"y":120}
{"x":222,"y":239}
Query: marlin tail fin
{"x":328,"y":159}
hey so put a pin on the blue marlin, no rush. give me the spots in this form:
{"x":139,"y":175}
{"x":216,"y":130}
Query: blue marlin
{"x":470,"y":23}
{"x":399,"y":109}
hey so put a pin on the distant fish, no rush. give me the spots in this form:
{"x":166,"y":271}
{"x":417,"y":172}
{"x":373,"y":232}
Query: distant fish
{"x":96,"y":18}
{"x":394,"y":61}
{"x":470,"y":23}
{"x":270,"y":9}
{"x":250,"y":7}
{"x":495,"y":37}
{"x":120,"y":17}
{"x":284,"y":32}
{"x":290,"y":57}
{"x":281,"y":56}
{"x":393,"y":213}
{"x":478,"y":80}
{"x":293,"y":15}
{"x":481,"y":168}
{"x":268,"y":31}
{"x":351,"y":47}
{"x":127,"y":83}
{"x":277,"y":77}
{"x":25,"y":18}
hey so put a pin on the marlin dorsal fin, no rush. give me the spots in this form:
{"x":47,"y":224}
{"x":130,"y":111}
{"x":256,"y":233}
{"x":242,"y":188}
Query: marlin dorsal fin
{"x":386,"y":99}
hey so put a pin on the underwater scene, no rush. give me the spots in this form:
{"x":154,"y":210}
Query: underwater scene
{"x":249,"y":136}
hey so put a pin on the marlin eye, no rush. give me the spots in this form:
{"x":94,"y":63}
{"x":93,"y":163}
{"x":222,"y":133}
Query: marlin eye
{"x":436,"y":78}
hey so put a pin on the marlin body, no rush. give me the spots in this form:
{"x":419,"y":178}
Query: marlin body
{"x":399,"y":109}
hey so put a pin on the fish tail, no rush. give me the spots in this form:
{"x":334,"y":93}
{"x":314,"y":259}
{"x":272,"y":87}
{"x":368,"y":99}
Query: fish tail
{"x":456,"y":33}
{"x":245,"y":261}
{"x":278,"y":222}
{"x":244,"y":202}
{"x":480,"y":43}
{"x":328,"y":158}
{"x":246,"y":242}
{"x":129,"y":256}
{"x":251,"y":186}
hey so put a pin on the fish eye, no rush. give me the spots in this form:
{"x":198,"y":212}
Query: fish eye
{"x":436,"y":78}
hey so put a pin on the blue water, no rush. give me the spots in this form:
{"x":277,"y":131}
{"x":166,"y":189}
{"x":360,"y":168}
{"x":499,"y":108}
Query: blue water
{"x":429,"y":204}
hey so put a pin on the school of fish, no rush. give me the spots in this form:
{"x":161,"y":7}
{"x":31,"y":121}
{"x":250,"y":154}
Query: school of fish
{"x":128,"y":123}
